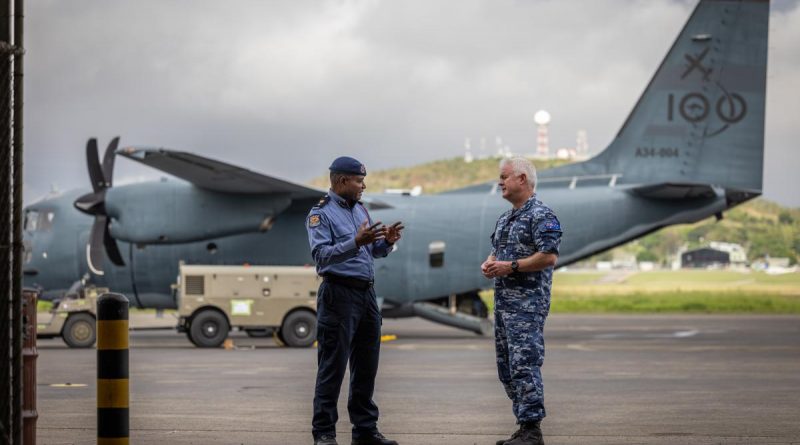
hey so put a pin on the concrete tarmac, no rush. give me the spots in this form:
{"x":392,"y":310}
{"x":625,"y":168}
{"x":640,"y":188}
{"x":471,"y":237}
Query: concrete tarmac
{"x":661,"y":379}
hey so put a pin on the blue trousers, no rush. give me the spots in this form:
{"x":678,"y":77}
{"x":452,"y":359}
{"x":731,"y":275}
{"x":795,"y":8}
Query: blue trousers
{"x":348,"y":330}
{"x":519,"y":344}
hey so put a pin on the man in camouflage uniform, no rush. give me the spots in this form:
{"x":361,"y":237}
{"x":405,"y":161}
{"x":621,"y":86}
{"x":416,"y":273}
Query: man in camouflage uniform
{"x":524,"y":250}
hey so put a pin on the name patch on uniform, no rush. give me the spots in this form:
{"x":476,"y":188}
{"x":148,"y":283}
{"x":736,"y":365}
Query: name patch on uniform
{"x":313,"y":221}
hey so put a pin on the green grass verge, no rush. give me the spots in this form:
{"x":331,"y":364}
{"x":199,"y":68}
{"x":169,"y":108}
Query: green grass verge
{"x":692,"y":302}
{"x":670,"y":302}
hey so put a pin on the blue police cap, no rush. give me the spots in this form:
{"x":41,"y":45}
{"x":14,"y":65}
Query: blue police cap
{"x":348,"y":165}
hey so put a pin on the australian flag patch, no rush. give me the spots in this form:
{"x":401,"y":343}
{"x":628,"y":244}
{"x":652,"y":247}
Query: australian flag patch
{"x":552,"y":224}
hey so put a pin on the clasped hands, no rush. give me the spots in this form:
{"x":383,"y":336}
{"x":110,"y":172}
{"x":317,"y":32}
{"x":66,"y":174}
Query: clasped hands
{"x":493,"y":268}
{"x":369,"y":234}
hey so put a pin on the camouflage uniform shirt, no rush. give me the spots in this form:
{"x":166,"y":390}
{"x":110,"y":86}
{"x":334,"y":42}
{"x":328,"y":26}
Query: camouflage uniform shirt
{"x":520,"y":233}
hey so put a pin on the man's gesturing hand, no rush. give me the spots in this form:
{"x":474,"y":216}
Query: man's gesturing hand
{"x":393,"y":232}
{"x":370,"y":234}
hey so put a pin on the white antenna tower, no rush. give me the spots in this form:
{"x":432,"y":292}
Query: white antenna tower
{"x":542,"y":119}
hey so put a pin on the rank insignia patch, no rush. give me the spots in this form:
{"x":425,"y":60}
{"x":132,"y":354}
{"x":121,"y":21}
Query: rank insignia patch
{"x":313,"y":221}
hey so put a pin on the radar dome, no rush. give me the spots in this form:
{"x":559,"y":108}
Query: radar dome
{"x":541,"y":117}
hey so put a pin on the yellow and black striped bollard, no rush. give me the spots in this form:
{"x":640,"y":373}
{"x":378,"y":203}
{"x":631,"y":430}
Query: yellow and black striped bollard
{"x":112,"y":370}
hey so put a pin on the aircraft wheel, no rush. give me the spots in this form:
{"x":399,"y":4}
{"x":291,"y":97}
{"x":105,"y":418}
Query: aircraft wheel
{"x":299,"y":330}
{"x":79,"y":331}
{"x":209,"y":329}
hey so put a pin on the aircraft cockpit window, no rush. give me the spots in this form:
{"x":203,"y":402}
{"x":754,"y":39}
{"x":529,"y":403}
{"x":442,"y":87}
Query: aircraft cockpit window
{"x":39,"y":220}
{"x":436,"y":253}
{"x":31,"y":220}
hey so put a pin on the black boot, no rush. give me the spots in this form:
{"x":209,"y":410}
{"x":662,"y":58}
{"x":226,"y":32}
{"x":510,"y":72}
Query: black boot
{"x":529,"y":434}
{"x":514,"y":435}
{"x":373,"y":439}
{"x":325,"y":439}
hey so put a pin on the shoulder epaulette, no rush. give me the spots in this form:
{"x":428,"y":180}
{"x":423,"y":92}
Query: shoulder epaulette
{"x":322,"y":202}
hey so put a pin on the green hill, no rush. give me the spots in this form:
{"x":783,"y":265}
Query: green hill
{"x":436,"y":176}
{"x":761,"y":226}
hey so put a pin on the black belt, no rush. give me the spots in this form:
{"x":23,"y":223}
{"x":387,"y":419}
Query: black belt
{"x":355,"y":283}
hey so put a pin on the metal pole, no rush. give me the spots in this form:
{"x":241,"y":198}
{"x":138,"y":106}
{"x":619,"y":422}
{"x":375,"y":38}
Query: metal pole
{"x":112,"y":370}
{"x":6,"y":401}
{"x":16,"y":245}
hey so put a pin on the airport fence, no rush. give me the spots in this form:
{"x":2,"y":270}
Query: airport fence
{"x":11,"y":328}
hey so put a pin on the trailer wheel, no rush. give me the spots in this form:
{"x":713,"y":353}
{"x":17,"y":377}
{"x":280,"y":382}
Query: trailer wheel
{"x":79,"y":331}
{"x":209,"y":329}
{"x":299,"y":329}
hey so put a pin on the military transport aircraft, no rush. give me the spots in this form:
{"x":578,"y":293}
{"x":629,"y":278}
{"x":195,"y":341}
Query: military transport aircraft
{"x":691,"y":147}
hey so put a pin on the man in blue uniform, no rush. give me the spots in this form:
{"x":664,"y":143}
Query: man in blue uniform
{"x":344,"y":241}
{"x":524,"y":250}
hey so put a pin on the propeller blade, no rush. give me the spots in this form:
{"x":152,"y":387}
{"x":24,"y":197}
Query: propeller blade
{"x":101,"y":243}
{"x":108,"y":161}
{"x":93,"y":163}
{"x":112,"y":250}
{"x":96,"y":250}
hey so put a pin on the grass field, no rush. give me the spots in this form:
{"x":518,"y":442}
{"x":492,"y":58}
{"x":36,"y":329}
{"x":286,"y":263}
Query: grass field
{"x":673,"y":291}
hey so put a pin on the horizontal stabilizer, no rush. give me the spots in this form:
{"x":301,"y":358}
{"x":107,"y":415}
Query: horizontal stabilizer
{"x":214,"y":175}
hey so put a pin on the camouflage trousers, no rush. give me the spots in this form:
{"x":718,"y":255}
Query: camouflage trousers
{"x":519,"y":344}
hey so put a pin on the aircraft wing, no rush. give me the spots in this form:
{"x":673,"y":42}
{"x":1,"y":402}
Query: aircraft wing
{"x":214,"y":175}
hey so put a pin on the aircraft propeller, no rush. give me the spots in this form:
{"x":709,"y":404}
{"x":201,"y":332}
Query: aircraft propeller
{"x":101,"y":242}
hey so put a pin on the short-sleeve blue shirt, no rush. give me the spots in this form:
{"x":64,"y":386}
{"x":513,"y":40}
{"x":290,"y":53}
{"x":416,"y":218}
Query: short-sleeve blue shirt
{"x":332,"y":226}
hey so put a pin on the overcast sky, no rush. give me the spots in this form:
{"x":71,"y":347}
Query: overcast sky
{"x":282,"y":87}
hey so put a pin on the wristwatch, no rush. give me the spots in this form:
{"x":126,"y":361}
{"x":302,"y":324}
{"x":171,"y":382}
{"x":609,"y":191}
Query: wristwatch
{"x":514,"y":266}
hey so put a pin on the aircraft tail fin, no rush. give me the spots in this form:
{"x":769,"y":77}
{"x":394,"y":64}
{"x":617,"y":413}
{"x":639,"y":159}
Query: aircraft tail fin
{"x":701,"y":118}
